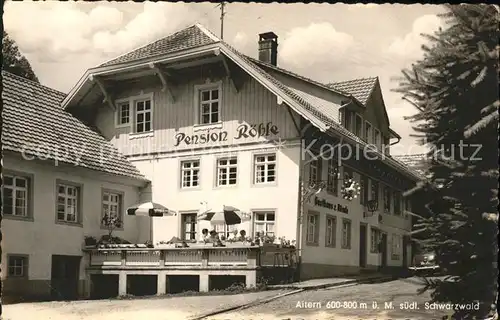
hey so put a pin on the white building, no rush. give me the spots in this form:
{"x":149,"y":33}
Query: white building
{"x":207,"y":124}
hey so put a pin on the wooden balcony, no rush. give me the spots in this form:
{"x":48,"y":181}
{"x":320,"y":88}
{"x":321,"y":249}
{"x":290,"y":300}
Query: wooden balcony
{"x":174,"y":258}
{"x":198,"y":260}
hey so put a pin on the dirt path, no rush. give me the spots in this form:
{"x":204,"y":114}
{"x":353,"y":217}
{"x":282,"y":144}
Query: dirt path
{"x":160,"y":308}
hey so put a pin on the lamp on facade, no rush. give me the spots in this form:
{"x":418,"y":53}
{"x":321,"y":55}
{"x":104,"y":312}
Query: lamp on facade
{"x":372,"y":206}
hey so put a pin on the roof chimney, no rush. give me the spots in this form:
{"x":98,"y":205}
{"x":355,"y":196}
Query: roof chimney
{"x":268,"y":47}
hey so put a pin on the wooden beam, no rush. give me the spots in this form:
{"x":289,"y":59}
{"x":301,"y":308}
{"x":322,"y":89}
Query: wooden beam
{"x":230,"y":75}
{"x":107,"y":96}
{"x":164,"y":80}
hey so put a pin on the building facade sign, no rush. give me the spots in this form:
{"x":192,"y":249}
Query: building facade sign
{"x":328,"y":205}
{"x":244,"y":131}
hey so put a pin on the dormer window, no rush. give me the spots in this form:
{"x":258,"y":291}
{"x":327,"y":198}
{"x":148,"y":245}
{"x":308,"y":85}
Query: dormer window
{"x":208,"y":103}
{"x":135,"y":113}
{"x":123,"y":114}
{"x":358,"y":126}
{"x":143,"y":118}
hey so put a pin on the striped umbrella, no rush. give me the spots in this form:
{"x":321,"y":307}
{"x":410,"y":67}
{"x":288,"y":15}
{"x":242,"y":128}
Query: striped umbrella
{"x":149,"y":209}
{"x":229,"y":216}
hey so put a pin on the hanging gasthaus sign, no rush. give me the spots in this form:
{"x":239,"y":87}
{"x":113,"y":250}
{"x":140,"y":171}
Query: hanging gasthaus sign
{"x":244,"y":131}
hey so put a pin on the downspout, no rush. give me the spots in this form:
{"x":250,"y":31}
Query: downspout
{"x":300,"y":218}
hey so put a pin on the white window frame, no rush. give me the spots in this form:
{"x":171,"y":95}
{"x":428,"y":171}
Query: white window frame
{"x":361,"y":132}
{"x":312,"y":236}
{"x":118,"y":114}
{"x":265,"y":223}
{"x":397,"y":202}
{"x":333,"y":173}
{"x":388,"y":199}
{"x":375,"y":236}
{"x":377,"y":139}
{"x":396,"y":246}
{"x":132,"y":102}
{"x":197,"y":104}
{"x":346,"y":234}
{"x":315,"y":170}
{"x":67,"y":197}
{"x":191,"y":169}
{"x":15,"y":189}
{"x":114,"y":201}
{"x":265,"y":164}
{"x":194,"y":223}
{"x":222,"y":169}
{"x":368,"y":132}
{"x":225,"y":230}
{"x":330,"y":231}
{"x":17,"y":270}
{"x":349,"y":120}
{"x":377,"y":196}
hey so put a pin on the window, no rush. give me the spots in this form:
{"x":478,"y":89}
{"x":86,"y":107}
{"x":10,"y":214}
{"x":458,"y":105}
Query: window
{"x":190,"y":174}
{"x":123,"y":114}
{"x":375,"y":236}
{"x":396,"y":246}
{"x":224,"y":229}
{"x":363,"y":190}
{"x":112,"y":205}
{"x":227,"y":171}
{"x":407,"y":207}
{"x":348,"y":120}
{"x":397,"y":203}
{"x":68,"y":203}
{"x":331,"y":231}
{"x":358,"y":126}
{"x":313,"y":228}
{"x":16,"y":195}
{"x":188,"y":226}
{"x":332,"y":185}
{"x":374,"y":190}
{"x":376,"y":139}
{"x":264,"y":223}
{"x":209,"y":104}
{"x":387,"y":199}
{"x":348,"y":174}
{"x":368,"y":132}
{"x":315,"y":170}
{"x":265,"y":168}
{"x":17,"y":266}
{"x":143,"y":116}
{"x":346,"y":234}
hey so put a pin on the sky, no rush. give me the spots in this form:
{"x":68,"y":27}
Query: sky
{"x":324,"y":42}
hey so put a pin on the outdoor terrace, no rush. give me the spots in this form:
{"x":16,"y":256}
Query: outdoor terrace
{"x":199,"y":260}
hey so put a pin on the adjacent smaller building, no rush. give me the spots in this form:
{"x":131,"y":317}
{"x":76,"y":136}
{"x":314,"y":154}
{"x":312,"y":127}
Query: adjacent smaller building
{"x":59,"y":178}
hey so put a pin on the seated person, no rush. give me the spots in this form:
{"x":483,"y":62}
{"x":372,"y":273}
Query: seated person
{"x":243,"y":234}
{"x":234,"y":236}
{"x":204,"y":235}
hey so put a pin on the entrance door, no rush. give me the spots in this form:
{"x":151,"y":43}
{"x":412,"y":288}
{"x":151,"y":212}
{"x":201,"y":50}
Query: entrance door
{"x":362,"y":245}
{"x":383,"y":250}
{"x":64,"y":277}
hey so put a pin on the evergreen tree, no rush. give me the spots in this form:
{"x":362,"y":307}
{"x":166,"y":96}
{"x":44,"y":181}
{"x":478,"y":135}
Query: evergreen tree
{"x":13,"y":61}
{"x":455,"y":89}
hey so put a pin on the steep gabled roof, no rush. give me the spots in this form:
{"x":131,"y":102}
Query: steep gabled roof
{"x":320,"y":112}
{"x":188,"y":38}
{"x":35,"y":123}
{"x":361,"y":89}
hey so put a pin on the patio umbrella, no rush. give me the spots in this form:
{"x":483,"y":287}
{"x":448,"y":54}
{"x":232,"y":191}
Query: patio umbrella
{"x":229,"y":216}
{"x":149,"y":209}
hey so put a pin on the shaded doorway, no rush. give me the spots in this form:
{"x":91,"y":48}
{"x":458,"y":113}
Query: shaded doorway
{"x":64,"y":278}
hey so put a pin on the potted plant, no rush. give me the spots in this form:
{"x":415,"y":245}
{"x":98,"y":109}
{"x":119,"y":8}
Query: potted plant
{"x":90,"y":242}
{"x":111,"y":222}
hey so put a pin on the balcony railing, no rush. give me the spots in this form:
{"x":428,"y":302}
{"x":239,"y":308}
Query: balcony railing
{"x":197,"y":257}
